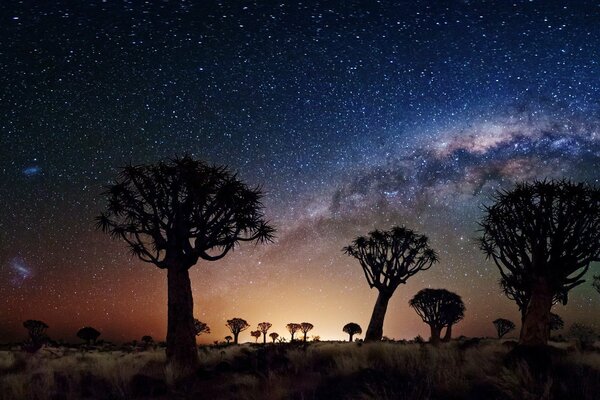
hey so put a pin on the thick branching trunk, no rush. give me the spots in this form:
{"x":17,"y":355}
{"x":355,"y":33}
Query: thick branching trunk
{"x":182,"y":354}
{"x":350,"y":340}
{"x":534,"y":331}
{"x":235,"y":337}
{"x":435,"y":334}
{"x":448,"y":334}
{"x":375,"y":329}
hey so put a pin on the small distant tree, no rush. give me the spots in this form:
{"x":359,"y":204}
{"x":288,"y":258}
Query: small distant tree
{"x":292,"y":328}
{"x":316,"y":338}
{"x":437,"y":308}
{"x":542,"y":236}
{"x":36,"y":330}
{"x":147,"y":340}
{"x":352,"y":329}
{"x":556,"y":323}
{"x":237,"y":325}
{"x":200,"y":327}
{"x":596,"y":283}
{"x":305,"y":327}
{"x":88,"y":334}
{"x":264,"y":327}
{"x":503,"y":326}
{"x":255,"y":335}
{"x":274,"y":336}
{"x":227,"y":339}
{"x":388,"y":259}
{"x":584,"y":335}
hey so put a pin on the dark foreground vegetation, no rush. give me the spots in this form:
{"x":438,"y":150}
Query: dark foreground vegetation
{"x":461,"y":369}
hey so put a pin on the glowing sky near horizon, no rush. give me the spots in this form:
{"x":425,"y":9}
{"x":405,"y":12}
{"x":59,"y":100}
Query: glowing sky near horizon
{"x":352,"y":115}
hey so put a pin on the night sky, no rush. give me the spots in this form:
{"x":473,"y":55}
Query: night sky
{"x":352,"y":115}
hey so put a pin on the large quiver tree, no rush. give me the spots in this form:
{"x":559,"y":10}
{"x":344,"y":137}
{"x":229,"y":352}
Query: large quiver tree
{"x":173,"y":213}
{"x":389,"y":258}
{"x":542,"y":236}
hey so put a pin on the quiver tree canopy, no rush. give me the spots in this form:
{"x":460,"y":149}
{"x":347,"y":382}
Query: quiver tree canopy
{"x":438,"y":308}
{"x":175,"y":212}
{"x":389,"y":258}
{"x":503,"y":326}
{"x":200,"y":327}
{"x":542,"y":236}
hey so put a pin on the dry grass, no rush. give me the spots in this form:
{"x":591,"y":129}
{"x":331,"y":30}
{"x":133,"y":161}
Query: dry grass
{"x":317,"y":371}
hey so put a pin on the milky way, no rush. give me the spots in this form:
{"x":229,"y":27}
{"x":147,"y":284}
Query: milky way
{"x":351,"y":115}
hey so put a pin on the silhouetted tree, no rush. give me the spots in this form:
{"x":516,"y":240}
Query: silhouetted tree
{"x":503,"y":326}
{"x":293,"y":327}
{"x":352,"y":329}
{"x":200,"y":327}
{"x":389,"y":258}
{"x":264,"y":327}
{"x":556,"y":323}
{"x":37,"y":335}
{"x":88,"y":334}
{"x":274,"y":336}
{"x":542,"y":237}
{"x":236,"y":325}
{"x":255,"y":335}
{"x":596,"y":283}
{"x":172,"y":214}
{"x":228,"y":339}
{"x":305,"y":327}
{"x":438,"y":308}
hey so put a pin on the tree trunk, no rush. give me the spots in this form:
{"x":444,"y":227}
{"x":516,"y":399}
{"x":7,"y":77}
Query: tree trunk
{"x":435,"y":335}
{"x":265,"y":338}
{"x":448,"y":334}
{"x":181,"y":338}
{"x":235,"y":337}
{"x":375,"y":329}
{"x":534,"y":331}
{"x":350,"y":340}
{"x":305,"y":336}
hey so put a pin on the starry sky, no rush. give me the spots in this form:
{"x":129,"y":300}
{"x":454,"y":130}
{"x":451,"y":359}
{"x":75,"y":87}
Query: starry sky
{"x":353,"y":115}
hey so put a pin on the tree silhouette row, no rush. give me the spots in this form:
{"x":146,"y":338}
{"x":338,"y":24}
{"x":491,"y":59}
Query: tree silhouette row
{"x":542,"y":236}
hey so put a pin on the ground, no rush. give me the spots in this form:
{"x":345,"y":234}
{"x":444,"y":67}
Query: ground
{"x":462,"y":369}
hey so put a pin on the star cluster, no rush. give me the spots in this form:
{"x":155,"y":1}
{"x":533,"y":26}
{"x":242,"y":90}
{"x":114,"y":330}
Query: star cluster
{"x":353,"y":115}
